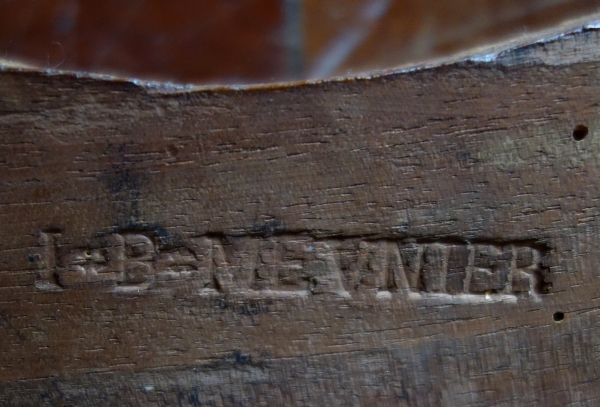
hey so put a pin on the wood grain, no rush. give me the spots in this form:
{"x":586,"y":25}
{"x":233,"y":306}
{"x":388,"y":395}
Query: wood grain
{"x":207,"y":41}
{"x":420,"y":238}
{"x":343,"y":37}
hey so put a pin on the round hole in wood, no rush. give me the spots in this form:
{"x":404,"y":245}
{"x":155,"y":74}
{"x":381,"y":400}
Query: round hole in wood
{"x":580,"y":132}
{"x":172,"y":151}
{"x":558,"y":316}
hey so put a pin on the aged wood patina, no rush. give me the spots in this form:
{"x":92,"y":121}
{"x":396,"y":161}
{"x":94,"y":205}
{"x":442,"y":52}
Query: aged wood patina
{"x":422,"y":237}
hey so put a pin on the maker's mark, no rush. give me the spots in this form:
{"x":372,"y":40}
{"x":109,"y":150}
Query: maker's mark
{"x":295,"y":264}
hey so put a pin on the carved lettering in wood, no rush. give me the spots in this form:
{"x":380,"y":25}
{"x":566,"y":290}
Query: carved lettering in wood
{"x":276,"y":265}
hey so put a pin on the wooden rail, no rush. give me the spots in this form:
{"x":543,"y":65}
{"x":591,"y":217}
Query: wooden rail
{"x":417,"y":238}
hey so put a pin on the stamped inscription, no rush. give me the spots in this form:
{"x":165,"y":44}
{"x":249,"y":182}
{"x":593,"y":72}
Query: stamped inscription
{"x":295,"y":264}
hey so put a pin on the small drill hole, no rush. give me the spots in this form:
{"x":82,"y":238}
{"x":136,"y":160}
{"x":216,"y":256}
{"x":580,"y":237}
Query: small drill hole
{"x":558,"y":316}
{"x":579,"y":132}
{"x":172,"y":151}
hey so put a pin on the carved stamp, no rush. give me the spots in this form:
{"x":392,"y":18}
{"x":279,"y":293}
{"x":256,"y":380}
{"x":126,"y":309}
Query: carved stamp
{"x":275,"y":265}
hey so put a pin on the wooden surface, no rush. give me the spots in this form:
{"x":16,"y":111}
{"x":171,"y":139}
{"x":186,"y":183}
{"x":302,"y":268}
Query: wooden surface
{"x":345,"y":37}
{"x":420,"y":238}
{"x":250,"y":41}
{"x":208,"y":41}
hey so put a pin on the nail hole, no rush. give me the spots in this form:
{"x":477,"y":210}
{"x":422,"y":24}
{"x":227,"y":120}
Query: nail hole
{"x":579,"y":132}
{"x":172,"y":151}
{"x":558,"y":316}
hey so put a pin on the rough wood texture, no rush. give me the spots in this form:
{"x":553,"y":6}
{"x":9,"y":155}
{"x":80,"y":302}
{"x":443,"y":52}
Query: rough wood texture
{"x":420,"y":238}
